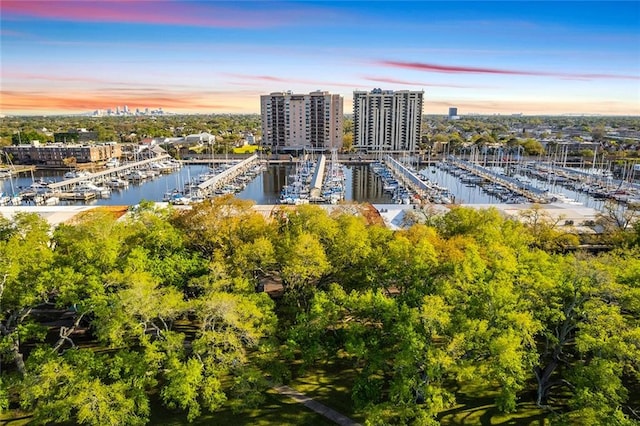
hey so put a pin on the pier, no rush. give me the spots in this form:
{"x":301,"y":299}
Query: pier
{"x":208,"y":187}
{"x":408,"y":177}
{"x":318,"y":177}
{"x":7,"y":171}
{"x":529,"y":192}
{"x":67,"y":184}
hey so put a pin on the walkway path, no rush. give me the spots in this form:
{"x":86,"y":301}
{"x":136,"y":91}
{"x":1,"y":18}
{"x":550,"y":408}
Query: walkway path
{"x":319,"y":408}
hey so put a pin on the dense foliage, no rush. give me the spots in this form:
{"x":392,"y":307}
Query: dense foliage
{"x":100,"y":316}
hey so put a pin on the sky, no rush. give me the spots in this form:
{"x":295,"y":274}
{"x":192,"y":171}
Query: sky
{"x":499,"y":57}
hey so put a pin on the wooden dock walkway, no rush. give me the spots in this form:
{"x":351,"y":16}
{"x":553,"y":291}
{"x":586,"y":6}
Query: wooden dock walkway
{"x":536,"y":196}
{"x":68,"y":184}
{"x":209,"y":186}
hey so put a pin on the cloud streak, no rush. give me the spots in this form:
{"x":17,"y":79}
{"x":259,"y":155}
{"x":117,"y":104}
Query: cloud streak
{"x":415,"y":83}
{"x":164,"y":13}
{"x":457,"y":69}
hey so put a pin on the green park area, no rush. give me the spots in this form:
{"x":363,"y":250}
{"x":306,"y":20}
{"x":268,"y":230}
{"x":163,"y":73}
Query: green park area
{"x":164,"y":316}
{"x":246,"y":149}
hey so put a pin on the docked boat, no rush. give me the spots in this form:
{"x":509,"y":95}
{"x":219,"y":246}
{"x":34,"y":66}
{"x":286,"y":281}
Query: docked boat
{"x":117,"y":183}
{"x":86,"y":186}
{"x":52,"y":200}
{"x":76,"y":174}
{"x":136,"y":175}
{"x":112,"y":162}
{"x":9,"y":200}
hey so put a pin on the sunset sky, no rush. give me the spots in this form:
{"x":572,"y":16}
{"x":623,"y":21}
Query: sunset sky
{"x":64,"y":57}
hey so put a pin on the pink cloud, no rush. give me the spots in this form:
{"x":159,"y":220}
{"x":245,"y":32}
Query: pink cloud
{"x":11,"y":33}
{"x":415,"y":83}
{"x":208,"y":14}
{"x":29,"y":76}
{"x":455,"y":69}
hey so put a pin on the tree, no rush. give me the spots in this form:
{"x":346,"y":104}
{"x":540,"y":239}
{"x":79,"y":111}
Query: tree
{"x":616,"y":221}
{"x":532,"y":147}
{"x":218,"y":226}
{"x":25,"y":256}
{"x":347,"y":142}
{"x":26,"y":136}
{"x":545,"y":230}
{"x":581,"y":350}
{"x":304,"y":262}
{"x":598,"y":134}
{"x":93,"y":389}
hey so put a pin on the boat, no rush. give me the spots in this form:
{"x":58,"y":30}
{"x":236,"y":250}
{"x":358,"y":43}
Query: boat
{"x":135,"y":175}
{"x":76,"y":174}
{"x":4,"y":199}
{"x":5,"y":173}
{"x":86,"y":186}
{"x":563,"y":199}
{"x":52,"y":201}
{"x":112,"y":162}
{"x":117,"y":183}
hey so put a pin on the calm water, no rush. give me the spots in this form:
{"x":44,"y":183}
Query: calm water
{"x":361,"y":185}
{"x":474,"y":195}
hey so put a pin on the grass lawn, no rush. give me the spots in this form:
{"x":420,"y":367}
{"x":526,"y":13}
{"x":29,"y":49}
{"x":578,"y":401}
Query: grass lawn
{"x":476,"y":406}
{"x":488,"y":414}
{"x":276,"y":410}
{"x":15,"y":418}
{"x":330,"y":383}
{"x":247,"y":149}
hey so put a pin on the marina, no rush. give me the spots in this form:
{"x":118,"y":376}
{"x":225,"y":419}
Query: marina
{"x":319,"y":180}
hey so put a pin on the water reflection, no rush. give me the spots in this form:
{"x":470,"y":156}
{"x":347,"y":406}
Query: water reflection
{"x":362,"y":185}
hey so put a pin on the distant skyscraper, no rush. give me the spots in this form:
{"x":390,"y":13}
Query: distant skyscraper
{"x":296,"y":121}
{"x":453,"y":112}
{"x":384,"y":120}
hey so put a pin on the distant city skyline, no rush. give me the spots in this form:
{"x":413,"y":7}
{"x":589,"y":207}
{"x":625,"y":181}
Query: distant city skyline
{"x":502,"y":57}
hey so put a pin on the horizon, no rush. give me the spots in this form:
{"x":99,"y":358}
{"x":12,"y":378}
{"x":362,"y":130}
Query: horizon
{"x":442,"y":115}
{"x":63,"y":58}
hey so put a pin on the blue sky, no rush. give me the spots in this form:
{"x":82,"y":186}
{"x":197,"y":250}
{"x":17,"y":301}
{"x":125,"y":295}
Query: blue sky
{"x":219,"y":57}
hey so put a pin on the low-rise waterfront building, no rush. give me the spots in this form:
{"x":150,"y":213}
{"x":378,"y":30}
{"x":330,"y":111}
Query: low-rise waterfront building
{"x":58,"y":154}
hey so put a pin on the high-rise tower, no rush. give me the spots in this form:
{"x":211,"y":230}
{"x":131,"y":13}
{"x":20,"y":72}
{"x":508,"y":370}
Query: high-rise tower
{"x":293,"y":122}
{"x":384,"y":120}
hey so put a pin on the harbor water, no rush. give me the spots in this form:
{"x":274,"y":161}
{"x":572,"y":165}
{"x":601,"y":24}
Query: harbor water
{"x":362,"y":185}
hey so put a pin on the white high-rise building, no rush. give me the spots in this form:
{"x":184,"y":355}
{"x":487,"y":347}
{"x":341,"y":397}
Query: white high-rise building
{"x":292,"y":122}
{"x":387,"y":120}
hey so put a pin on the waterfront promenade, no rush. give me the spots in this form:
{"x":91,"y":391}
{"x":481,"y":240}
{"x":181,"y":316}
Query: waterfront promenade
{"x":392,"y":215}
